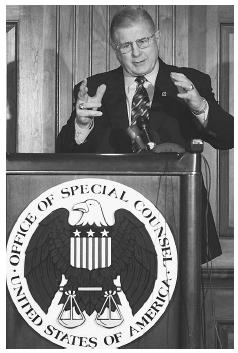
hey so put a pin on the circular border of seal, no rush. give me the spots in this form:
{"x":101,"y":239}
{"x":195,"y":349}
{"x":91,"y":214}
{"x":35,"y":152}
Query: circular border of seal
{"x":113,"y":195}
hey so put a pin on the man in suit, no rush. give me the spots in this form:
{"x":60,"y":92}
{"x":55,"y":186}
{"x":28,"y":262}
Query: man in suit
{"x":182,"y":105}
{"x":177,"y":103}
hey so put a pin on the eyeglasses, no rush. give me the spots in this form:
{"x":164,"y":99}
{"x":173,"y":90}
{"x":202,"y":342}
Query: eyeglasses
{"x":142,"y":43}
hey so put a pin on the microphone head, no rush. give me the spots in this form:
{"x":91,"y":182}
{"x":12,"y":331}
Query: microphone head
{"x":133,"y":131}
{"x":135,"y":134}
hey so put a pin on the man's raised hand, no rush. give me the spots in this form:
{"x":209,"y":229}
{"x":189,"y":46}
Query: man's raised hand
{"x":86,"y":106}
{"x":187,"y":91}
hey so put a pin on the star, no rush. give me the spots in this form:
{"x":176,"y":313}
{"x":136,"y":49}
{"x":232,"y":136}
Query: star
{"x":77,"y":233}
{"x":164,"y":94}
{"x":90,"y":233}
{"x":104,"y":233}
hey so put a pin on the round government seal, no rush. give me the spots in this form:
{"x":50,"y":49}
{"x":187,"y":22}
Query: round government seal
{"x":92,"y":264}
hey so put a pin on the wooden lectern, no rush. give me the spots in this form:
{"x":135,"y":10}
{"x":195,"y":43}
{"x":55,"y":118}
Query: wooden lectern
{"x":171,"y":181}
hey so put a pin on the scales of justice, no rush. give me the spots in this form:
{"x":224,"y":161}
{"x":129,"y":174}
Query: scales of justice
{"x":109,"y":316}
{"x":86,"y":252}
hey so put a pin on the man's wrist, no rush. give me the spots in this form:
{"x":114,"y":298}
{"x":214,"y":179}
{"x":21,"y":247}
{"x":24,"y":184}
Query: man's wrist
{"x":202,"y":109}
{"x":81,"y":134}
{"x":87,"y":126}
{"x":202,"y":113}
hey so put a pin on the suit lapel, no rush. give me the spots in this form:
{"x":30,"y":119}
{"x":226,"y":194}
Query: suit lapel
{"x":164,"y":88}
{"x":165,"y":95}
{"x":167,"y":110}
{"x":116,"y":100}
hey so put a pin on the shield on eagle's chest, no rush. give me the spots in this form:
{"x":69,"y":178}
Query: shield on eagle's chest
{"x":90,"y":248}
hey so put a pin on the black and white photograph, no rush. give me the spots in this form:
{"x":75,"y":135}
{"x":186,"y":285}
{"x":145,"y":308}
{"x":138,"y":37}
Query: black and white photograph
{"x":120,"y":176}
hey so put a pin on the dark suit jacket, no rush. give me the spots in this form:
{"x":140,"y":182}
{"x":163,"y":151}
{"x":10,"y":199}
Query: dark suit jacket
{"x":170,"y":118}
{"x":170,"y":121}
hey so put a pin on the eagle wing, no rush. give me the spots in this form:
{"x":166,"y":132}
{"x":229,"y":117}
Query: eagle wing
{"x":134,"y":258}
{"x":47,"y":257}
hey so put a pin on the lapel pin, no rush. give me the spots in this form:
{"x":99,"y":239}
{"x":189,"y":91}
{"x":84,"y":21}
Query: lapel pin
{"x":164,"y":94}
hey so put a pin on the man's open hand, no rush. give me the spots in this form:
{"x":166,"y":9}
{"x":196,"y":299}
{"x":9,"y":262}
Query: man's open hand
{"x":86,"y":106}
{"x":187,"y":91}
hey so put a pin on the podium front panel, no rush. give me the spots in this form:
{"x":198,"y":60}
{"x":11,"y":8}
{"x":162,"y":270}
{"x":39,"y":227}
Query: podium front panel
{"x":160,"y":179}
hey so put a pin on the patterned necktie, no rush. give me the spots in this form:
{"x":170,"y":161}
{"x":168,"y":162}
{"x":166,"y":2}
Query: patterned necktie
{"x":140,"y":102}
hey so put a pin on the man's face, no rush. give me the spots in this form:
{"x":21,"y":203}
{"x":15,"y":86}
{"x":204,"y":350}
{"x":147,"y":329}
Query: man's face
{"x":138,"y":61}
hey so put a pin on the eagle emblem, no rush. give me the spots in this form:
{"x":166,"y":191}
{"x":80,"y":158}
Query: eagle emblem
{"x":89,"y":260}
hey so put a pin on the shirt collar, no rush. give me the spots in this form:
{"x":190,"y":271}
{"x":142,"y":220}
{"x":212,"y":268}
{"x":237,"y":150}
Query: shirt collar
{"x":151,"y":77}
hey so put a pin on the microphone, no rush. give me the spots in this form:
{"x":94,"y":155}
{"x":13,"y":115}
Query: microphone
{"x":135,"y":134}
{"x":141,"y":137}
{"x":143,"y":125}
